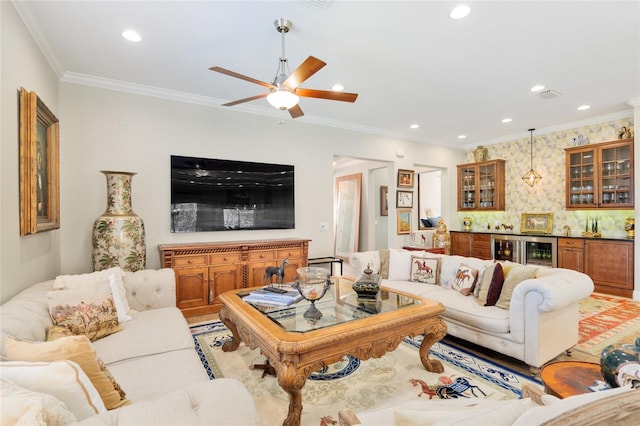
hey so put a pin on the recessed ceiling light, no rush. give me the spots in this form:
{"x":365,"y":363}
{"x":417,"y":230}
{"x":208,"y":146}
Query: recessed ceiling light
{"x":583,"y":107}
{"x":507,"y":120}
{"x":462,"y":136}
{"x":131,"y":35}
{"x":414,"y":126}
{"x":537,"y":88}
{"x":337,"y":87}
{"x":460,"y":11}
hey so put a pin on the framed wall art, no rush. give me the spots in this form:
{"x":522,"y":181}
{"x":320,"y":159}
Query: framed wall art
{"x":536,"y":223}
{"x":39,"y":166}
{"x":404,"y":199}
{"x":403,"y":221}
{"x":405,"y":178}
{"x":384,"y":200}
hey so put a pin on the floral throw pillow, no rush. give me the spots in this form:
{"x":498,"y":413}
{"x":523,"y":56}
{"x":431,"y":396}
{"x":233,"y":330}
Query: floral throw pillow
{"x":464,"y":280}
{"x":425,"y":270}
{"x":84,"y":312}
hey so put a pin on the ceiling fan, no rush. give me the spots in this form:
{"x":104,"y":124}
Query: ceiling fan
{"x":284,"y":91}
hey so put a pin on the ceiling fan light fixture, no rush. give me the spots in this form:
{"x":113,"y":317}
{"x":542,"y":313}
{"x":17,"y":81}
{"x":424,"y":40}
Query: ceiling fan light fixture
{"x":283,"y":99}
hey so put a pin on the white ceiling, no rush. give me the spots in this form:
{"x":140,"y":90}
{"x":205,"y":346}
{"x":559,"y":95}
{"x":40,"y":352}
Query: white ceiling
{"x":409,"y":62}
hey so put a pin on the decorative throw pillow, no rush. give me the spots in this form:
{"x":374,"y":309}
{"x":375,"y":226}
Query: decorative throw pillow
{"x":63,"y":282}
{"x":517,"y":274}
{"x":85,"y":310}
{"x":484,"y":282}
{"x":384,"y":263}
{"x":360,"y":260}
{"x":63,"y":381}
{"x":495,"y":287}
{"x":56,"y":332}
{"x":400,"y":264}
{"x":464,"y":280}
{"x":425,"y":270}
{"x":77,"y":349}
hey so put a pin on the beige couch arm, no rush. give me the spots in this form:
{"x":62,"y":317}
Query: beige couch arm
{"x":150,"y":289}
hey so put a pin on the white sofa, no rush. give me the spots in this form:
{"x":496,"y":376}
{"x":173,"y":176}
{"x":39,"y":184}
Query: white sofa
{"x":618,"y":406}
{"x":541,"y":320}
{"x":153,"y":357}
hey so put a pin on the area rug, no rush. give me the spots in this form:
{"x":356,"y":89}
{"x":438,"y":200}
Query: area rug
{"x":605,"y":320}
{"x":360,"y":385}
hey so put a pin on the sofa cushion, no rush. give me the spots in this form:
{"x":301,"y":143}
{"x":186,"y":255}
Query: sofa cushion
{"x":71,"y":393}
{"x":425,"y":270}
{"x":465,"y":310}
{"x":224,"y":402}
{"x":86,"y":310}
{"x":495,"y":287}
{"x":517,"y":274}
{"x":152,"y":376}
{"x":77,"y":349}
{"x":150,"y":332}
{"x":482,"y":285}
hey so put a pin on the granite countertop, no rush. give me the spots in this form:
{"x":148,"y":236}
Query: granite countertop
{"x":546,"y":235}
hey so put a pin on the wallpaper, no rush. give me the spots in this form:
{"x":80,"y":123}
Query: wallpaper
{"x":549,"y":194}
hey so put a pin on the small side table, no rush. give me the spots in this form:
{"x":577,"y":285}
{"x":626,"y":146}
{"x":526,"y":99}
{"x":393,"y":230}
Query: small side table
{"x":567,"y":378}
{"x":328,"y":260}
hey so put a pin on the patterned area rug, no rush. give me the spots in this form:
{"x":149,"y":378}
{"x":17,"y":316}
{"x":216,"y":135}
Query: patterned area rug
{"x":360,"y":385}
{"x":605,"y":320}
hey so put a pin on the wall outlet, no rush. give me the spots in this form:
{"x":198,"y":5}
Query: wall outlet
{"x":324,"y":226}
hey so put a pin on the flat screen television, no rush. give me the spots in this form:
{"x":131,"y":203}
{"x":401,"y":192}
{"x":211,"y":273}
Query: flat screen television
{"x":224,"y":195}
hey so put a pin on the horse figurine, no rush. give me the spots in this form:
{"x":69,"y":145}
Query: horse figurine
{"x":278,"y":272}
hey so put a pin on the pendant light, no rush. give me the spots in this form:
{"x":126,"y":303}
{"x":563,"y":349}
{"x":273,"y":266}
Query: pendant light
{"x":531,"y":177}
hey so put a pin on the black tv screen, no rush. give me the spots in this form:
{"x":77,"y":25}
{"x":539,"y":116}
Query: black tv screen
{"x":224,"y":195}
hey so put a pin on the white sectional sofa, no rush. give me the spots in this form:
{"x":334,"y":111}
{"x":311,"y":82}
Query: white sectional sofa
{"x":152,"y":358}
{"x":535,"y":324}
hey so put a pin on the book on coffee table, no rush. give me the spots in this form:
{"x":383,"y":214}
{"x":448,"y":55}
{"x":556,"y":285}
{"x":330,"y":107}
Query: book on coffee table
{"x":269,"y":298}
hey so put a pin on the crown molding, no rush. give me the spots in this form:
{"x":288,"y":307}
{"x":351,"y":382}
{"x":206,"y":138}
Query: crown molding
{"x":560,"y":127}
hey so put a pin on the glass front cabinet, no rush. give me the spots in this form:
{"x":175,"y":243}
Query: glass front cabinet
{"x":481,"y":185}
{"x":600,"y":176}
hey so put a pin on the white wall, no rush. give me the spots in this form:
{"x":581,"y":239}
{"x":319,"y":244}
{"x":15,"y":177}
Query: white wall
{"x":110,"y":130}
{"x":36,"y":257}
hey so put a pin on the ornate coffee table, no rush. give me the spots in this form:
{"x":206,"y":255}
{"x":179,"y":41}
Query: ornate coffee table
{"x":296,"y":347}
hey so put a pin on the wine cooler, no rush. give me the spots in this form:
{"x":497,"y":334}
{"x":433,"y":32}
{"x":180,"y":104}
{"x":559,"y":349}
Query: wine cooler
{"x":525,"y":249}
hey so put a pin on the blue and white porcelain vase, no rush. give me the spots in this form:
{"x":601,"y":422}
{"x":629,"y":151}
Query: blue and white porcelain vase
{"x":118,"y":234}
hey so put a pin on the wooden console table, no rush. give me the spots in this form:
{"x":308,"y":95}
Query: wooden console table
{"x":206,"y":270}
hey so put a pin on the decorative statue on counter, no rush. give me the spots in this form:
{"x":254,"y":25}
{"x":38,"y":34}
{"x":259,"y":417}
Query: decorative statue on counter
{"x":442,"y":238}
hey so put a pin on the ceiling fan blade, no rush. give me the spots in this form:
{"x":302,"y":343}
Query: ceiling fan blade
{"x":242,"y":77}
{"x":308,"y":68}
{"x":241,"y":101}
{"x":327,"y":94}
{"x":296,"y":111}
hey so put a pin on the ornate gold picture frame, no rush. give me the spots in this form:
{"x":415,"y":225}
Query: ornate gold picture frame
{"x":39,"y":166}
{"x":405,"y":178}
{"x":536,"y":223}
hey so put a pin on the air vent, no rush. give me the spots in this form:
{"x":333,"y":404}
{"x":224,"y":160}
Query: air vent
{"x":550,"y":93}
{"x":321,"y":3}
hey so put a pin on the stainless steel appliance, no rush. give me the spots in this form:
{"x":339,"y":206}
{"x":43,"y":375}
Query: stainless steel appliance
{"x":525,"y":249}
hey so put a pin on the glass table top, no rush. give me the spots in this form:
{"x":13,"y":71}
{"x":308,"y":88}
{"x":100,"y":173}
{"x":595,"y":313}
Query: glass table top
{"x":336,"y":307}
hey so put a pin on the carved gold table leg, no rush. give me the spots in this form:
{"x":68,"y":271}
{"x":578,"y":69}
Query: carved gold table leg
{"x":292,"y":380}
{"x":432,"y":335}
{"x":229,"y":345}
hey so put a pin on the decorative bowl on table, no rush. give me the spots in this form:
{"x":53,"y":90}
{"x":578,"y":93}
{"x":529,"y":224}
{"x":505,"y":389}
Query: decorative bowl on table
{"x":312,"y":284}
